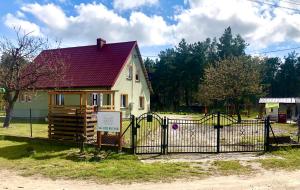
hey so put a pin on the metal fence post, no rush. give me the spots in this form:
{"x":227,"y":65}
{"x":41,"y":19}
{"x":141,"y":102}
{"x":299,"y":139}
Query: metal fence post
{"x":298,"y":124}
{"x":30,"y":120}
{"x":133,"y":133}
{"x":164,"y":135}
{"x":267,"y":133}
{"x":218,"y":132}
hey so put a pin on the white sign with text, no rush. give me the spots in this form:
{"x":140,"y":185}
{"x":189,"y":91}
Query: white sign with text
{"x":108,"y":121}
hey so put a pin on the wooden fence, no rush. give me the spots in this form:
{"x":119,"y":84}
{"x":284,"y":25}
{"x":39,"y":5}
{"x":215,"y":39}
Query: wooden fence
{"x":72,"y":123}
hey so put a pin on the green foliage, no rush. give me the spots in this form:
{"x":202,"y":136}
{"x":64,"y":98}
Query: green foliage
{"x":230,"y":46}
{"x":235,"y":80}
{"x":269,"y":69}
{"x":282,"y":78}
{"x":179,"y":71}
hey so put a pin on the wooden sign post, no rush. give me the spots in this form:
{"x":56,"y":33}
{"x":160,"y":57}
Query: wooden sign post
{"x":109,"y":123}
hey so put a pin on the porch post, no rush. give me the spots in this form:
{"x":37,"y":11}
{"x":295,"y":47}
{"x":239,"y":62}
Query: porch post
{"x":113,"y":101}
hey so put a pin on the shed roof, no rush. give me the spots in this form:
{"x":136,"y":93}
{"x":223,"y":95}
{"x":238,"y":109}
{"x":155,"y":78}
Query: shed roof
{"x":292,"y":100}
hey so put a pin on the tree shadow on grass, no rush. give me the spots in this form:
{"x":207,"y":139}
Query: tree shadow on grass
{"x":37,"y":151}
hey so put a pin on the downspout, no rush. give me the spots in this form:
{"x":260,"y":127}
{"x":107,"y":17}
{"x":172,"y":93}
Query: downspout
{"x":133,"y":78}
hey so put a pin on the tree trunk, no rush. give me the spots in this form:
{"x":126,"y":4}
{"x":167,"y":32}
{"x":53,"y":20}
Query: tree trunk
{"x":187,"y":98}
{"x":238,"y":113}
{"x":9,"y":111}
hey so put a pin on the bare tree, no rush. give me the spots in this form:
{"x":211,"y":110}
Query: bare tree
{"x":23,"y":68}
{"x":232,"y":80}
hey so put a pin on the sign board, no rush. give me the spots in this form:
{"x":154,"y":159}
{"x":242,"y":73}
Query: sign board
{"x":272,"y":105}
{"x":108,"y":121}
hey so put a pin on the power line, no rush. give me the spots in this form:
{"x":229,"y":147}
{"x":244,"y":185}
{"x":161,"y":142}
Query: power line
{"x":289,"y":2}
{"x":254,"y":51}
{"x":274,"y":5}
{"x":149,"y":55}
{"x":278,"y":50}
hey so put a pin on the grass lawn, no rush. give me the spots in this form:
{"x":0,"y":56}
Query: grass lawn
{"x":22,"y":128}
{"x":40,"y":129}
{"x":285,"y":129}
{"x":56,"y":161}
{"x":231,"y":167}
{"x":60,"y":161}
{"x":289,"y":159}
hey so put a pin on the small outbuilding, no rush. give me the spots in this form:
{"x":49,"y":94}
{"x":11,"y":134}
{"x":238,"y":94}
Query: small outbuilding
{"x":281,"y":109}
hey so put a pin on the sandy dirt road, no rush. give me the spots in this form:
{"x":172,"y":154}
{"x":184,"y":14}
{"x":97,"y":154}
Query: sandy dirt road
{"x":268,"y":180}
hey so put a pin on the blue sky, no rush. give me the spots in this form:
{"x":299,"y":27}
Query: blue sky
{"x":156,"y":24}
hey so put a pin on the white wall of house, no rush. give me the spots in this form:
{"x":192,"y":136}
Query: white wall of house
{"x":283,"y":108}
{"x":132,"y":88}
{"x":38,"y":105}
{"x":273,"y":113}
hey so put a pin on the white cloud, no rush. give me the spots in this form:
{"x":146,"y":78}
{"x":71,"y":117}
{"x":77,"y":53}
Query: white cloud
{"x":131,"y":4}
{"x":28,"y":27}
{"x":20,"y":14}
{"x":50,"y":14}
{"x":96,"y":20}
{"x":261,"y":25}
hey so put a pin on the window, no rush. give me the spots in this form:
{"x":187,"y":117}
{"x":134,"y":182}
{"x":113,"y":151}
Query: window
{"x":95,"y":99}
{"x":106,"y":101}
{"x":137,"y":77}
{"x":28,"y":98}
{"x":124,"y":101}
{"x":24,"y":97}
{"x":129,"y":72}
{"x":59,"y":99}
{"x":142,"y":102}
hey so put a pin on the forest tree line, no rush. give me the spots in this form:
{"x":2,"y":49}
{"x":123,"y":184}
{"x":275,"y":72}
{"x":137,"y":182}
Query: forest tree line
{"x":217,"y":71}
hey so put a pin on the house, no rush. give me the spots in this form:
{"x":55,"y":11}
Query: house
{"x":286,"y":107}
{"x":115,"y":71}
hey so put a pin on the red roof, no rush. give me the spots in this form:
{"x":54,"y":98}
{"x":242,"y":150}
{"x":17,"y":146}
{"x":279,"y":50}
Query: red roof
{"x":90,"y":66}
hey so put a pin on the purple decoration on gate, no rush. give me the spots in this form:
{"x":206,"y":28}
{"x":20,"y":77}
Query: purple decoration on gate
{"x":175,"y":126}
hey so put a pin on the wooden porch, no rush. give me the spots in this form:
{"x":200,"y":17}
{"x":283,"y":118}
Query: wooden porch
{"x":75,"y":122}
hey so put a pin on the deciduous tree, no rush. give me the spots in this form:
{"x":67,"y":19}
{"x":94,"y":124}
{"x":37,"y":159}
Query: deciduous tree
{"x":19,"y":72}
{"x":232,"y":80}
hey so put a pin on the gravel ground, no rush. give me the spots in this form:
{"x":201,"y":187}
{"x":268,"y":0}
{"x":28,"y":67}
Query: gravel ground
{"x":267,"y":180}
{"x":204,"y":157}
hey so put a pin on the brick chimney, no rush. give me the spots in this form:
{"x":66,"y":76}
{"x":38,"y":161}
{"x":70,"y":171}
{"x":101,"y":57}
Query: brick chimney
{"x":100,"y":43}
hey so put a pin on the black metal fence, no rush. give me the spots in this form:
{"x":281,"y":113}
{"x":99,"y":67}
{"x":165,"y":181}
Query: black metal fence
{"x":213,"y":133}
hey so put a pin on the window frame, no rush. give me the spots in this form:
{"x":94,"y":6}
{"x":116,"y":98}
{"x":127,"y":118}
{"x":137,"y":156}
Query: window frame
{"x":137,"y":74}
{"x":142,"y":103}
{"x":129,"y":72}
{"x":59,"y":99}
{"x":122,"y":101}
